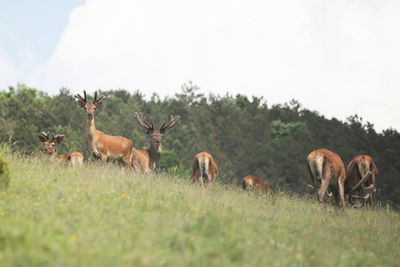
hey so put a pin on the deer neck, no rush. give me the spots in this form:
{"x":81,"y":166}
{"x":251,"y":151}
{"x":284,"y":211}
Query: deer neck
{"x":90,"y":130}
{"x":154,"y":152}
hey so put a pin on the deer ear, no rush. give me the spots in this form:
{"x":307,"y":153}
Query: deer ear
{"x":58,"y":138}
{"x":42,"y":139}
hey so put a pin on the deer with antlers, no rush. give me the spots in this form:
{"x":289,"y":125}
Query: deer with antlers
{"x":326,"y":167}
{"x":363,"y":172}
{"x":146,"y":160}
{"x":252,"y":181}
{"x":100,"y":145}
{"x":49,"y":147}
{"x":205,"y":167}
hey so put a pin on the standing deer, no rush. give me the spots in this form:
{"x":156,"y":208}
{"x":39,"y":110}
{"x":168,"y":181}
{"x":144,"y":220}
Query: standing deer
{"x":252,"y":181}
{"x":205,"y":167}
{"x":361,"y":171}
{"x":100,"y":145}
{"x":49,"y":147}
{"x":146,"y":160}
{"x":327,"y":168}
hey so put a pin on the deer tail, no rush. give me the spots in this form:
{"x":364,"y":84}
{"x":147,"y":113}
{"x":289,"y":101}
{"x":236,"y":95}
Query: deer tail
{"x":200,"y":164}
{"x":206,"y":165}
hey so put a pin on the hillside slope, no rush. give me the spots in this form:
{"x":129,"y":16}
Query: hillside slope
{"x":105,"y":216}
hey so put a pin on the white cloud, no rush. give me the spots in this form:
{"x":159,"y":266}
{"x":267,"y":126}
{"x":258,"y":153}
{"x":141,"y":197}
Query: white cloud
{"x":337,"y":57}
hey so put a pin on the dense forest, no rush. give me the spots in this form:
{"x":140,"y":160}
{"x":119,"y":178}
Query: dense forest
{"x":244,"y":135}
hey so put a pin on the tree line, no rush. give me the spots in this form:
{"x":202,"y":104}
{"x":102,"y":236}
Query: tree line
{"x":244,"y":135}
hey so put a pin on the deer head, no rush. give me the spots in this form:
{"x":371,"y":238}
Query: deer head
{"x":90,"y":107}
{"x":49,"y":145}
{"x":154,"y":134}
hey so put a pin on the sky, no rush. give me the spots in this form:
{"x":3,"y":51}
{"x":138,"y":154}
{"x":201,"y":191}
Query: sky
{"x":337,"y":57}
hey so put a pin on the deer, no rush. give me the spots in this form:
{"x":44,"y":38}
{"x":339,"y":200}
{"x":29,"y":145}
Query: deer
{"x":146,"y":160}
{"x":205,"y":167}
{"x":49,"y":147}
{"x":252,"y":181}
{"x":100,"y":145}
{"x":361,"y":171}
{"x":326,"y":167}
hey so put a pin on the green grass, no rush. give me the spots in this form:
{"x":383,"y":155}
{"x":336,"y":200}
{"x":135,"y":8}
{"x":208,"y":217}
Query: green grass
{"x":105,"y":216}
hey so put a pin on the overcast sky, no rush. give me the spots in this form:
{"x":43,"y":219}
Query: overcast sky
{"x":336,"y":57}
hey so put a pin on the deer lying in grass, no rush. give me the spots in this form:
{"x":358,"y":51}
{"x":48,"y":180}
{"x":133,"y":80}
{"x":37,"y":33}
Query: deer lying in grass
{"x":252,"y":181}
{"x":49,"y":147}
{"x":361,"y":171}
{"x":327,"y":168}
{"x":100,"y":145}
{"x":146,"y":160}
{"x":205,"y":167}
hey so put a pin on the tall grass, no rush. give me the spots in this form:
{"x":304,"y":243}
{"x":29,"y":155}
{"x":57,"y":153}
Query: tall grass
{"x":106,"y":216}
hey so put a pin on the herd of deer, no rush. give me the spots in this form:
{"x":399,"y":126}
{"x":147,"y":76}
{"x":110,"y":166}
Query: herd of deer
{"x":325,"y":167}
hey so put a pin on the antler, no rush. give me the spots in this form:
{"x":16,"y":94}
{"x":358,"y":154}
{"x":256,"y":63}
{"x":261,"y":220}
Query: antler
{"x":143,"y":122}
{"x":58,"y":138}
{"x":172,"y":123}
{"x":46,"y":135}
{"x":99,"y":101}
{"x":82,"y":101}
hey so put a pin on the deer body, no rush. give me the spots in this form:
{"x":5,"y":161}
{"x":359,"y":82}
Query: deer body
{"x":205,"y":167}
{"x":361,"y":171}
{"x":100,"y":145}
{"x":49,"y":147}
{"x":255,"y":182}
{"x":146,"y":160}
{"x":76,"y":158}
{"x":327,"y":168}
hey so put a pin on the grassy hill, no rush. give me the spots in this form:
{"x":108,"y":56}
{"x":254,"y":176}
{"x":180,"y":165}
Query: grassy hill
{"x":106,"y":216}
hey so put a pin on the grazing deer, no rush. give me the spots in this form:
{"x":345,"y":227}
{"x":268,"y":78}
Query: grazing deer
{"x":252,"y":181}
{"x":49,"y":147}
{"x":100,"y":145}
{"x":361,"y":171}
{"x":205,"y":167}
{"x":146,"y":160}
{"x":327,"y":168}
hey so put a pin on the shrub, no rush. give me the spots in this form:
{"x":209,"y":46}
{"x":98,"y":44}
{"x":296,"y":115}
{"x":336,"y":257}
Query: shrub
{"x":4,"y":173}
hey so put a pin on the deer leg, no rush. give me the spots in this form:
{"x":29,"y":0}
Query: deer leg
{"x":370,"y":199}
{"x":368,"y":194}
{"x":210,"y":180}
{"x":127,"y":161}
{"x":342,"y":204}
{"x":322,"y":190}
{"x":104,"y":159}
{"x":201,"y":181}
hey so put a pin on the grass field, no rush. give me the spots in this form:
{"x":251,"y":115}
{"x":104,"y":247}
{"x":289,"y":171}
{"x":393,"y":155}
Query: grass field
{"x":106,"y":216}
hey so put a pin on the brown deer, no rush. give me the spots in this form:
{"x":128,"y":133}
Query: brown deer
{"x":49,"y":147}
{"x":327,"y":168}
{"x":361,"y":171}
{"x":205,"y":167}
{"x":146,"y":160}
{"x":100,"y":145}
{"x":252,"y":181}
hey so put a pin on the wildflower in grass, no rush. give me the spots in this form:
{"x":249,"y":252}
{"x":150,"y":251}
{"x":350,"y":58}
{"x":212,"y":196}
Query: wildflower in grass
{"x":266,"y":224}
{"x":125,"y":195}
{"x":115,"y":234}
{"x":312,"y":257}
{"x":299,"y":256}
{"x":73,"y":238}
